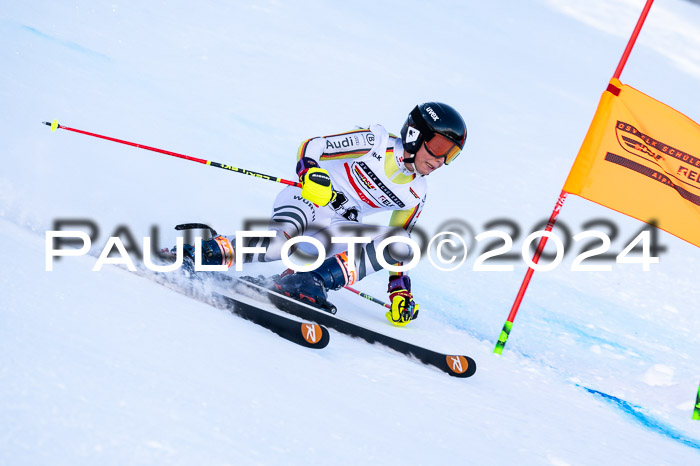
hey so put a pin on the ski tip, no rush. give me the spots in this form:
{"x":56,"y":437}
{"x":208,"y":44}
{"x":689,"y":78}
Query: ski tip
{"x":460,"y":366}
{"x":315,"y":336}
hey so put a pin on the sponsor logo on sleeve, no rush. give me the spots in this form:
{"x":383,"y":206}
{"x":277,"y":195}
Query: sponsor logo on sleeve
{"x":344,"y":143}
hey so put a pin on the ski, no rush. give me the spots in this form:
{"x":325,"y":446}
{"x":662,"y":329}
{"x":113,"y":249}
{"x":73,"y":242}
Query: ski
{"x":309,"y":335}
{"x":305,"y":334}
{"x":454,"y":365}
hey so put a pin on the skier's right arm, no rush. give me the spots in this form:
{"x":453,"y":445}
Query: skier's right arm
{"x":316,"y":181}
{"x":311,"y":148}
{"x":348,"y":145}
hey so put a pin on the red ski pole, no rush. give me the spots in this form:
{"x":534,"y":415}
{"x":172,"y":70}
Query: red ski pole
{"x":368,"y":297}
{"x":54,"y":126}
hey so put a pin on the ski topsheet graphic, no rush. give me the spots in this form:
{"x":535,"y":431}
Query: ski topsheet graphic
{"x":235,"y":294}
{"x":202,"y":287}
{"x":306,"y":334}
{"x":455,"y":365}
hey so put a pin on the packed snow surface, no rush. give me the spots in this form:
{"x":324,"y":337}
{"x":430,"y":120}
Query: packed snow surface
{"x":109,"y":367}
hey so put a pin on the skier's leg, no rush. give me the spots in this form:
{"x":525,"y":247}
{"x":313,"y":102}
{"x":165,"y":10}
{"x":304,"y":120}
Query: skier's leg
{"x":365,"y":257}
{"x":336,"y":271}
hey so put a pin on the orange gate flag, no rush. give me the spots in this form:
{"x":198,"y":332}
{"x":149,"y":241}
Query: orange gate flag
{"x":642,"y":158}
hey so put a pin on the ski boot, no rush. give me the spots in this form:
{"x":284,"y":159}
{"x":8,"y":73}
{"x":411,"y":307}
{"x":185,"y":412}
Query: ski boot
{"x":312,"y":287}
{"x":215,"y":251}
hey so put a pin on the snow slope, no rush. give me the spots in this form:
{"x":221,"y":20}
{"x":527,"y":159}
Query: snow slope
{"x":110,"y":368}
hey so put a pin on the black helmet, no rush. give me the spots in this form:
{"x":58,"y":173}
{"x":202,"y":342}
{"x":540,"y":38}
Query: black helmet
{"x":428,"y":119}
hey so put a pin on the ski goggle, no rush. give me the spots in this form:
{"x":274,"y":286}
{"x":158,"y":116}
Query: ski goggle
{"x":439,"y":146}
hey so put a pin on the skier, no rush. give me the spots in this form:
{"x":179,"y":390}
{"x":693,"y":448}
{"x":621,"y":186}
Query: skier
{"x":345,"y":177}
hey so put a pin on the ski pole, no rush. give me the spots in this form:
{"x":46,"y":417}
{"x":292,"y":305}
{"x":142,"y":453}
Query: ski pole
{"x":54,"y":126}
{"x":368,"y":297}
